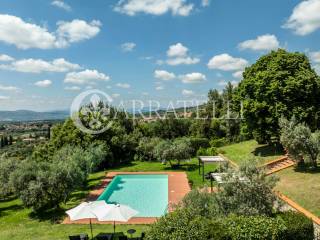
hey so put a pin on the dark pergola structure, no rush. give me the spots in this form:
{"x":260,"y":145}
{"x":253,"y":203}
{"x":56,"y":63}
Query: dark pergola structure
{"x":208,"y":159}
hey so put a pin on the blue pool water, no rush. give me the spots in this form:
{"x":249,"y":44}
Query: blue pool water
{"x":148,"y":194}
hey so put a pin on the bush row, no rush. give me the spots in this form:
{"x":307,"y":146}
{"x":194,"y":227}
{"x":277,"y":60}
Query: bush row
{"x":182,"y":224}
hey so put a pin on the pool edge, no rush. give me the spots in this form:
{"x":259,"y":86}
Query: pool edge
{"x":178,"y":187}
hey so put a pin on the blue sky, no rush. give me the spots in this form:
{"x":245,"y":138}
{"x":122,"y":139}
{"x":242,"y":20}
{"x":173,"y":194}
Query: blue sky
{"x":52,"y":50}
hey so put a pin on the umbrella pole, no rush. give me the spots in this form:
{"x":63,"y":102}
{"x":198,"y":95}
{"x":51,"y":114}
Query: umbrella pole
{"x":91,"y":229}
{"x":114,"y":226}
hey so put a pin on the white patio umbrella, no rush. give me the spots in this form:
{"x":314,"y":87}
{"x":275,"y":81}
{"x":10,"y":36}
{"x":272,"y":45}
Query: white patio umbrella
{"x":117,"y":212}
{"x":88,"y":210}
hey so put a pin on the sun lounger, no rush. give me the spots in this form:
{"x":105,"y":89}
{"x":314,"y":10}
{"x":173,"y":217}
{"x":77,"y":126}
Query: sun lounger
{"x":79,"y":237}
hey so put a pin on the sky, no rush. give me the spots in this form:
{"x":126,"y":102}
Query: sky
{"x":163,"y":50}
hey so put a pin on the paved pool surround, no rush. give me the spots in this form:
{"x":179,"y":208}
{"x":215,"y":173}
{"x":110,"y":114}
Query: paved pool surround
{"x":178,"y":187}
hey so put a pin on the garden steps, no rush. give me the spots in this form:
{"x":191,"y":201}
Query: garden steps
{"x":278,"y":165}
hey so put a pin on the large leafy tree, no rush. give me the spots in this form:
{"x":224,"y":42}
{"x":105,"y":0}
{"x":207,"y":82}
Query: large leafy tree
{"x":279,"y":84}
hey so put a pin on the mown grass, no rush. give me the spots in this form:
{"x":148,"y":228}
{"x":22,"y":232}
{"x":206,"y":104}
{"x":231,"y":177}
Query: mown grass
{"x":301,"y":187}
{"x":17,"y":223}
{"x":190,"y":167}
{"x":248,"y":150}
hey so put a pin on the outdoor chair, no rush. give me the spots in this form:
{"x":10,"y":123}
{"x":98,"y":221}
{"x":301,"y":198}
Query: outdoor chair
{"x":79,"y":237}
{"x":105,"y":237}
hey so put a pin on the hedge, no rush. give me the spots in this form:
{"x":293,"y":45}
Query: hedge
{"x":254,"y":227}
{"x":185,"y":224}
{"x":298,"y":226}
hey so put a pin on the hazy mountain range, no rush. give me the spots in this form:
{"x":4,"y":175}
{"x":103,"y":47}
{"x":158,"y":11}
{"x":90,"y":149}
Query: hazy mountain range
{"x":26,"y":115}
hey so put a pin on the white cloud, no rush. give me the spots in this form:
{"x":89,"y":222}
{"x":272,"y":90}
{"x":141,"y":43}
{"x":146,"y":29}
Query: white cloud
{"x":76,"y":31}
{"x":305,"y":17}
{"x":145,"y":94}
{"x":154,"y":7}
{"x":164,"y":75}
{"x":24,"y":35}
{"x":193,"y":77}
{"x":86,"y":76}
{"x":72,"y":88}
{"x":6,"y":58}
{"x":128,"y":47}
{"x":315,"y":58}
{"x":222,"y":83}
{"x":38,"y":66}
{"x":182,"y":60}
{"x":61,"y":4}
{"x":237,"y":74}
{"x":205,"y":3}
{"x":263,"y":42}
{"x":8,"y":88}
{"x":160,"y":62}
{"x":159,"y":88}
{"x":178,"y":54}
{"x":177,"y":50}
{"x":123,"y":85}
{"x":4,"y":97}
{"x":226,"y":62}
{"x":186,"y":92}
{"x":43,"y":84}
{"x":13,"y":30}
{"x":234,"y":83}
{"x":115,"y":95}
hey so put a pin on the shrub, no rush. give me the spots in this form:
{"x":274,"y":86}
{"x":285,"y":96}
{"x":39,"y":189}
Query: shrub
{"x":298,"y":226}
{"x":211,"y":151}
{"x":218,"y":142}
{"x":145,"y":149}
{"x":254,"y":227}
{"x":247,"y":191}
{"x":197,"y":142}
{"x":200,"y":203}
{"x":178,"y":225}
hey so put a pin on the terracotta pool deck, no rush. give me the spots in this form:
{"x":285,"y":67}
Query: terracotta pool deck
{"x":178,"y":187}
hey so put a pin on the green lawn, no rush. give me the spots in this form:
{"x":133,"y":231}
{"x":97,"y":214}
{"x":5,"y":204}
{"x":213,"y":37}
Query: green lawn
{"x":301,"y":187}
{"x":242,"y":151}
{"x":190,"y":167}
{"x":18,"y":223}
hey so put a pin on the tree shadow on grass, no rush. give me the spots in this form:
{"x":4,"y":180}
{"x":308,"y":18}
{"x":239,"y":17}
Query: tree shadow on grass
{"x":15,"y":207}
{"x":7,"y":199}
{"x":54,"y":215}
{"x":307,"y":169}
{"x":182,"y":167}
{"x":122,"y":165}
{"x":269,"y":150}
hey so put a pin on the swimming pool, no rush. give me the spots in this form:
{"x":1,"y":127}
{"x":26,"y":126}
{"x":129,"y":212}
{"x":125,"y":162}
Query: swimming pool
{"x":148,"y":194}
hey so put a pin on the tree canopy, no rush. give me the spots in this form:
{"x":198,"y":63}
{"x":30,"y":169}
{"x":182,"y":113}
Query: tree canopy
{"x":279,"y":84}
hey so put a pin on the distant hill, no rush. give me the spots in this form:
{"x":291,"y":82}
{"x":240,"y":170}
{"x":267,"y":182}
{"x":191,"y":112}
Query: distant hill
{"x":26,"y":115}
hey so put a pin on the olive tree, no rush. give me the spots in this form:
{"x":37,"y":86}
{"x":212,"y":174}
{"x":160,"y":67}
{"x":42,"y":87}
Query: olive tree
{"x":301,"y":143}
{"x":171,"y":151}
{"x":247,"y":191}
{"x":45,"y":184}
{"x":7,"y":165}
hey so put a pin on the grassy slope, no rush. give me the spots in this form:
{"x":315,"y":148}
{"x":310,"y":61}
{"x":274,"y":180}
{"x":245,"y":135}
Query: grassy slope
{"x":301,"y":187}
{"x":247,"y":150}
{"x":16,"y":223}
